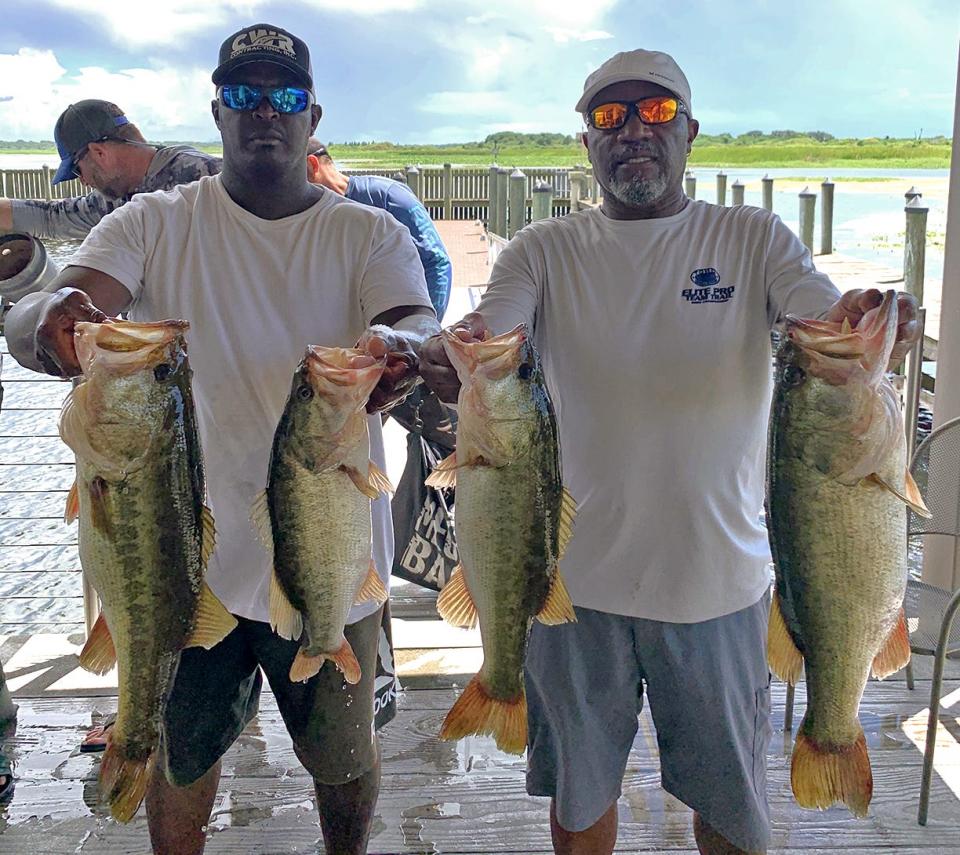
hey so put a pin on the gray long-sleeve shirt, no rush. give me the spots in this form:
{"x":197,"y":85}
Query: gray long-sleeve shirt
{"x":74,"y":218}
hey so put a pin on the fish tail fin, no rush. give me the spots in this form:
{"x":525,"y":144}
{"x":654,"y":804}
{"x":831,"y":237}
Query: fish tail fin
{"x":99,"y":655}
{"x":477,"y":712}
{"x":212,"y":623}
{"x":306,"y":665}
{"x":558,"y":607}
{"x":123,"y":782}
{"x":895,"y":653}
{"x":782,"y":655}
{"x":822,"y":776}
{"x":455,"y":603}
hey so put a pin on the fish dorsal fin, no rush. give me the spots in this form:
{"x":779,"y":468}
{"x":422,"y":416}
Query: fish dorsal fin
{"x":783,"y":657}
{"x":895,"y":653}
{"x":568,"y":514}
{"x":208,"y":540}
{"x":212,"y":623}
{"x":372,"y":590}
{"x":99,"y":655}
{"x":285,"y":620}
{"x":444,"y":473}
{"x":260,"y":517}
{"x":455,"y":603}
{"x":558,"y":607}
{"x":910,"y":495}
{"x":72,"y":509}
{"x":379,"y":480}
{"x":361,"y":481}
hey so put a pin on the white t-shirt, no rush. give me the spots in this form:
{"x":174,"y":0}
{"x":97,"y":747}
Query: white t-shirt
{"x":655,"y":341}
{"x":256,"y":292}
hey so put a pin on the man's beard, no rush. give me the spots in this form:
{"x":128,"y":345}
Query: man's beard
{"x":636,"y":192}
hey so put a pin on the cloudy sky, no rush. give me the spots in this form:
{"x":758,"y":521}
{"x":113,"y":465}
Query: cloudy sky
{"x":430,"y":71}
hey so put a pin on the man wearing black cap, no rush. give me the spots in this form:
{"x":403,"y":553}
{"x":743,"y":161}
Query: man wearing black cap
{"x":262,"y":263}
{"x":99,"y":145}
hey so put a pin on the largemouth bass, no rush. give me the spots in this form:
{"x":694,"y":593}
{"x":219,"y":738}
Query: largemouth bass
{"x":315,"y":513}
{"x":145,"y":534}
{"x":513,"y":520}
{"x":838,"y":489}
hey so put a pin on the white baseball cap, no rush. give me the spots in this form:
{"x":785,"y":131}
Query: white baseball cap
{"x":637,"y":64}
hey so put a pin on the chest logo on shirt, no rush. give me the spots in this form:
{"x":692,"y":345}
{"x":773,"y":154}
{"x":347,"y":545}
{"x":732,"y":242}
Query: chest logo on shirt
{"x":707,"y":288}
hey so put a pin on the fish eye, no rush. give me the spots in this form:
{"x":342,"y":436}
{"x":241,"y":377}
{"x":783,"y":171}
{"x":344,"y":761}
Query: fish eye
{"x":793,"y":375}
{"x":305,"y":392}
{"x":525,"y":371}
{"x":162,"y":372}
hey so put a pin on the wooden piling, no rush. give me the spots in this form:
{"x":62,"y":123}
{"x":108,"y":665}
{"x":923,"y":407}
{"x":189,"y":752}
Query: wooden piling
{"x":915,"y":247}
{"x":808,"y":206}
{"x":448,"y":191}
{"x":542,"y":207}
{"x":721,"y":188}
{"x":690,"y":185}
{"x":766,"y":191}
{"x":826,"y":217}
{"x":413,"y":180}
{"x":736,"y":190}
{"x":518,"y":202}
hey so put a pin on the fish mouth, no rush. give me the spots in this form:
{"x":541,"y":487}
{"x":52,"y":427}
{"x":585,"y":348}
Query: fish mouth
{"x":495,"y":356}
{"x":837,"y":350}
{"x":342,"y":366}
{"x":128,"y":346}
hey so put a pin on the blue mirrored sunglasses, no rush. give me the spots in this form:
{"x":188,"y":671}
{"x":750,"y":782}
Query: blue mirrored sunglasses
{"x":283,"y":99}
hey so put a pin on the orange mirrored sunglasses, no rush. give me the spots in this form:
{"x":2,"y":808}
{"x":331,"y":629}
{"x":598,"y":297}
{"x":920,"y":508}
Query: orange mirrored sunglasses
{"x":650,"y":111}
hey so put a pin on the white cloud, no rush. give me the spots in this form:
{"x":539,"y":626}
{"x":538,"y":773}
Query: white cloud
{"x":165,"y":102}
{"x":561,"y":36}
{"x":171,"y":19}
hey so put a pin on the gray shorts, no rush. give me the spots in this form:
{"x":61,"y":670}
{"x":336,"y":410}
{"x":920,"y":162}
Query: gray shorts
{"x":709,"y":692}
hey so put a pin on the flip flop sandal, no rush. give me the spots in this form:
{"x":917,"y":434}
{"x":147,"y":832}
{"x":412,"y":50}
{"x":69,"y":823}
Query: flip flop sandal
{"x":97,"y":733}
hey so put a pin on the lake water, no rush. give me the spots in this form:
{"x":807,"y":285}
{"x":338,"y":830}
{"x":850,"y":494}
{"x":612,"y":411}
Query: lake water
{"x":868,"y":214}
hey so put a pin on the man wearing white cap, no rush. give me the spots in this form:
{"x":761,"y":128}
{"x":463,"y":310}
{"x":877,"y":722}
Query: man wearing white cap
{"x":652,"y":315}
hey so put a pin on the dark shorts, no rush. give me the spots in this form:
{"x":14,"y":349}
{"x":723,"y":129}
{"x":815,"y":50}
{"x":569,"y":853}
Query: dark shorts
{"x":216,"y":693}
{"x":709,"y":692}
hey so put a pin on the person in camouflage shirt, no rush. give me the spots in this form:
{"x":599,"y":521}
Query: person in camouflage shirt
{"x":107,"y":152}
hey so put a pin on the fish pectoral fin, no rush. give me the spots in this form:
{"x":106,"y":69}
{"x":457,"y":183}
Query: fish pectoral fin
{"x":821,"y":777}
{"x":306,"y":666}
{"x":910,"y":495}
{"x":361,"y":481}
{"x":476,"y":711}
{"x":285,"y":620}
{"x":783,"y":657}
{"x":372,"y":589}
{"x":559,"y":607}
{"x":568,"y":515}
{"x":444,"y":473}
{"x":72,"y":509}
{"x":895,"y":653}
{"x":213,"y":622}
{"x":208,"y":540}
{"x":260,"y":517}
{"x":455,"y":603}
{"x":99,"y":655}
{"x":378,"y":478}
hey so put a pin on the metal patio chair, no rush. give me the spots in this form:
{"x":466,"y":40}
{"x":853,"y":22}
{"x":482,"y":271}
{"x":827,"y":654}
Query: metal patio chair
{"x":931,"y":610}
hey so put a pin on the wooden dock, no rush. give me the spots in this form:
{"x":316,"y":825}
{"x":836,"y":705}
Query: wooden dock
{"x":436,"y":797}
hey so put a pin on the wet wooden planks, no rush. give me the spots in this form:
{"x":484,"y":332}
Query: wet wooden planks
{"x":456,"y":797}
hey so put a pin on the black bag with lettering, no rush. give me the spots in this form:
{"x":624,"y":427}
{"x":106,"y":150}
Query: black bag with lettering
{"x":425,"y":549}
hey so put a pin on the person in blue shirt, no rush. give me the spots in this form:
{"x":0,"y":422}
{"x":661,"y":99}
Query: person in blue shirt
{"x":406,"y":208}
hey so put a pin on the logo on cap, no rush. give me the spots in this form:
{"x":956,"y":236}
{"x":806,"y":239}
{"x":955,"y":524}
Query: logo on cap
{"x":262,"y":40}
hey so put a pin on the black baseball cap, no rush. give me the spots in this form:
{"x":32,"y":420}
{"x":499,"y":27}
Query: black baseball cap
{"x":265,"y":43}
{"x":81,"y":124}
